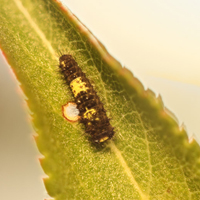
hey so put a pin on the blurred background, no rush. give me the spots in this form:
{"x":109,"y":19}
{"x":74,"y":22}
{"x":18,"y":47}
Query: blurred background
{"x":159,"y":41}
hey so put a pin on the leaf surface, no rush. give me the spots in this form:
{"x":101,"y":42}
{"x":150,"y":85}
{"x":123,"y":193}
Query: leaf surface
{"x":149,"y":156}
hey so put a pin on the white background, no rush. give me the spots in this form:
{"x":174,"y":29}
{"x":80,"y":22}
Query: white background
{"x":159,"y":41}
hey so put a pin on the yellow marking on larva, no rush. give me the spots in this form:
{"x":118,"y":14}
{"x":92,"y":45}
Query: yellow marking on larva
{"x":104,"y":139}
{"x":63,"y":63}
{"x":89,"y":113}
{"x":89,"y":123}
{"x":77,"y":86}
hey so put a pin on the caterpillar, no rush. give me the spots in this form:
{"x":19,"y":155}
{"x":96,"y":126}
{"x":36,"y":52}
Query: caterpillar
{"x":91,"y":110}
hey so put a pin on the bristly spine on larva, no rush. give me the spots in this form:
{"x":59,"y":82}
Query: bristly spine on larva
{"x":91,"y":110}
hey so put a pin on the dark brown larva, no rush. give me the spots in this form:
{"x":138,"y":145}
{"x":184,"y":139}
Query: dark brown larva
{"x":92,"y":112}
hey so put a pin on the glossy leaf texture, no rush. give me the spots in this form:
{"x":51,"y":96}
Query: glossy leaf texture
{"x":148,"y":158}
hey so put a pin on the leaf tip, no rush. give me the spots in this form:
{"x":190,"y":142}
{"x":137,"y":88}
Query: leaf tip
{"x":171,"y":116}
{"x":45,"y":178}
{"x":191,"y":138}
{"x":35,"y":137}
{"x":40,"y":159}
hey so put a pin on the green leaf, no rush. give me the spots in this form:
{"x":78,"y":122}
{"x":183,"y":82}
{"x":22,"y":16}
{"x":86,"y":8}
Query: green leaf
{"x":148,"y":158}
